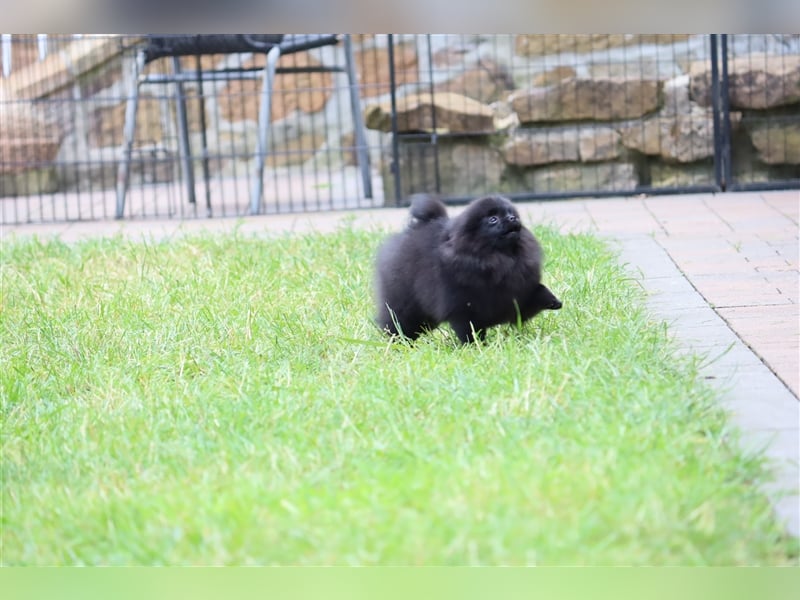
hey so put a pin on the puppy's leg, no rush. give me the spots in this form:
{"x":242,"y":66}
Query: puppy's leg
{"x":406,"y":324}
{"x":466,"y":331}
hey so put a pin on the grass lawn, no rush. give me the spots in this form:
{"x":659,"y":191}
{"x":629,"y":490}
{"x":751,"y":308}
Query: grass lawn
{"x":227,"y":400}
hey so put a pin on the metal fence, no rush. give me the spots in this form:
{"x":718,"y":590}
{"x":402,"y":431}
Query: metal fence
{"x":595,"y":115}
{"x":531,"y":116}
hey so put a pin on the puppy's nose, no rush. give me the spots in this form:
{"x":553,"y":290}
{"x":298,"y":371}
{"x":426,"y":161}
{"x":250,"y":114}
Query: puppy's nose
{"x":512,"y":222}
{"x":555,"y":304}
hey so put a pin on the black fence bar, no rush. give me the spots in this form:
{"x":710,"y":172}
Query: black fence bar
{"x":717,"y":111}
{"x":434,"y":137}
{"x":725,"y":110}
{"x":395,"y":166}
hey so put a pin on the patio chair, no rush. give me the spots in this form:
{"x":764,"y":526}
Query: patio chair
{"x":273,"y":46}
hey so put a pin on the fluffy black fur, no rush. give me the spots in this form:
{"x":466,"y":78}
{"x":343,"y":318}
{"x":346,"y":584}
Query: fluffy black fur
{"x":479,"y":269}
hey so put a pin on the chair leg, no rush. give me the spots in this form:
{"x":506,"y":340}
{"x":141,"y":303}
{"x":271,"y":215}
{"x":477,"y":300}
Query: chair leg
{"x":263,"y":129}
{"x":358,"y":119}
{"x":183,"y":133}
{"x":203,"y":134}
{"x":129,"y":129}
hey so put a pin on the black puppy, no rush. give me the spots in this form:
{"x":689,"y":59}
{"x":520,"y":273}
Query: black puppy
{"x":480,"y":269}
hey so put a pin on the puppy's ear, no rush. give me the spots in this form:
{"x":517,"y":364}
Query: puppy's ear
{"x":425,"y":207}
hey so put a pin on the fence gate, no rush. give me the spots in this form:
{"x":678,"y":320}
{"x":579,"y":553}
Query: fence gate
{"x":760,"y":111}
{"x":553,"y":116}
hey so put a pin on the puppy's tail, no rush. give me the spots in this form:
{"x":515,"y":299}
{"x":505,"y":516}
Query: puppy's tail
{"x":426,"y":208}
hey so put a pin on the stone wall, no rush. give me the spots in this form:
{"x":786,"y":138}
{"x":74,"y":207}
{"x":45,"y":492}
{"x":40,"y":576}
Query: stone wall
{"x":514,"y":113}
{"x":585,"y":113}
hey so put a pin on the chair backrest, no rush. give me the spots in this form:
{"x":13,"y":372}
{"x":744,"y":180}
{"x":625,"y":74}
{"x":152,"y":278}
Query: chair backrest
{"x":298,"y":42}
{"x":159,"y":46}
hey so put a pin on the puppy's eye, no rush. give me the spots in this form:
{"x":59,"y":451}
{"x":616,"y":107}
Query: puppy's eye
{"x":493,"y":220}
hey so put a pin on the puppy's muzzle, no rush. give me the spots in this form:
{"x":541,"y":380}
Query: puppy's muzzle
{"x":512,"y":227}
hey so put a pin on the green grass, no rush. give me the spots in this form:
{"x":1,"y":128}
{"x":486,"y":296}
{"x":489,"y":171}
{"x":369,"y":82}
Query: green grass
{"x":227,"y":400}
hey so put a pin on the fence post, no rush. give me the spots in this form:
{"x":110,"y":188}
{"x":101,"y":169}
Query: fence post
{"x":434,"y":136}
{"x":725,"y":107}
{"x":715,"y":111}
{"x":720,"y":103}
{"x":395,"y":143}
